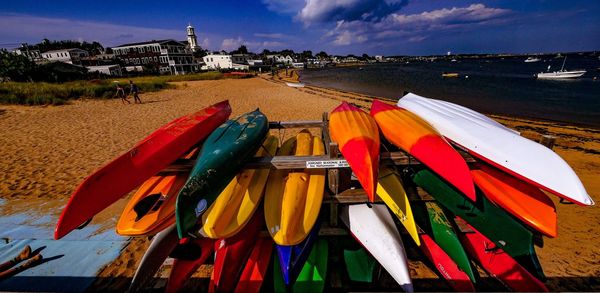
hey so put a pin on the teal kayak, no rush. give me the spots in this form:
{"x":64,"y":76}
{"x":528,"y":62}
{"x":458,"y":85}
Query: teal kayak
{"x":431,"y":218}
{"x":223,"y":155}
{"x":493,"y":222}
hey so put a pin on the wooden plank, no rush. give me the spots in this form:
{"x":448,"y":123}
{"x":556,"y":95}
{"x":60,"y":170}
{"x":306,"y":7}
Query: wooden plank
{"x":299,"y":162}
{"x":295,"y":124}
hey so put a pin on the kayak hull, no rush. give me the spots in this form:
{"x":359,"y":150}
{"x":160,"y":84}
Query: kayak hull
{"x":146,"y":158}
{"x":222,"y":156}
{"x":293,"y":198}
{"x":236,"y":204}
{"x":357,"y":136}
{"x":231,"y":255}
{"x":253,"y":275}
{"x":375,"y":229}
{"x":443,"y":263}
{"x":292,"y":257}
{"x":524,"y":201}
{"x":490,"y":220}
{"x":184,"y":267}
{"x":392,"y":193}
{"x":500,"y":146}
{"x":417,"y":137}
{"x":499,"y":264}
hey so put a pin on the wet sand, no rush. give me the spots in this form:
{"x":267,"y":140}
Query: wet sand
{"x":47,"y":151}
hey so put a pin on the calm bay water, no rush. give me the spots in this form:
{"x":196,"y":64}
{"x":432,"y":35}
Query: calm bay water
{"x":493,"y":85}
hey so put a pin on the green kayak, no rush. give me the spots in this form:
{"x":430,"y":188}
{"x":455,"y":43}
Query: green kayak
{"x":359,"y":265}
{"x":223,"y":154}
{"x":493,"y":222}
{"x":313,"y":273}
{"x":431,"y":218}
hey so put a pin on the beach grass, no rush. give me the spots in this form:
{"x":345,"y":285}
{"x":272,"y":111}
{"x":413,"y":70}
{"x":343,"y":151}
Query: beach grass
{"x":44,"y":93}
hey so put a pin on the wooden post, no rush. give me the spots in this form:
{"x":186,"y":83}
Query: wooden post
{"x":548,"y":141}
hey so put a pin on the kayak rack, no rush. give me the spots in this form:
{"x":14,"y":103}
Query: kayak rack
{"x":339,"y":175}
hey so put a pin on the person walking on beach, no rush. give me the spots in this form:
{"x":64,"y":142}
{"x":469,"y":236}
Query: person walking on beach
{"x":134,"y":90}
{"x":121,"y":94}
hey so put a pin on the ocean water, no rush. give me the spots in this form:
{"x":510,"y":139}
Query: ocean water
{"x":496,"y":86}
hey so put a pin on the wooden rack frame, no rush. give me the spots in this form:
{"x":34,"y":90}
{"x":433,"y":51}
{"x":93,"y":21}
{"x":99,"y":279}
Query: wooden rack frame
{"x":338,"y":178}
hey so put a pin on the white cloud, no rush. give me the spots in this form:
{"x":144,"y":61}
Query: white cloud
{"x":35,"y":28}
{"x":269,"y":35}
{"x":348,"y":10}
{"x":205,"y":43}
{"x":414,"y":27}
{"x":231,"y":44}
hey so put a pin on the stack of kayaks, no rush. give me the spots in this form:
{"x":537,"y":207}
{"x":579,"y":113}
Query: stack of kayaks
{"x":489,"y":213}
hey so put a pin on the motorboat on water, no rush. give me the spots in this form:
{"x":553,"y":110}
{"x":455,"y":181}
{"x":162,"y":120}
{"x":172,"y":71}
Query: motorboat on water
{"x":532,"y":59}
{"x":561,"y":74}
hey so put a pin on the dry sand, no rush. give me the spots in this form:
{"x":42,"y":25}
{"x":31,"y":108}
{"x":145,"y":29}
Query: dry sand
{"x":47,"y":151}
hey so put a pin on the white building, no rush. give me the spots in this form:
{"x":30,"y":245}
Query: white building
{"x":168,"y":56}
{"x":191,"y":39}
{"x":71,"y":56}
{"x":240,"y":58}
{"x":33,"y":55}
{"x":114,"y":70}
{"x":287,"y":59}
{"x":219,"y":61}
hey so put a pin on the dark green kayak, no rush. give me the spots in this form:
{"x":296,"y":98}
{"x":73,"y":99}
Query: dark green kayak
{"x":222,"y":156}
{"x":313,"y":274}
{"x":359,"y":265}
{"x":506,"y":232}
{"x":431,"y":218}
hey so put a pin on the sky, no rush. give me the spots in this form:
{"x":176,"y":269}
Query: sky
{"x":374,"y":27}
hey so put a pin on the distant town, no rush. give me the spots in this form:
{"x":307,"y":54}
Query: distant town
{"x":174,"y":57}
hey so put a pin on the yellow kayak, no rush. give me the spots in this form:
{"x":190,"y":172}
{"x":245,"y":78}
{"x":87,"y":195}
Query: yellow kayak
{"x":236,"y":204}
{"x":390,"y":190}
{"x":293,"y":198}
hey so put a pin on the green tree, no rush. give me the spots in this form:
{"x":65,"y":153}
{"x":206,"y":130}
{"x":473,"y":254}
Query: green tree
{"x":322,"y":55}
{"x":241,"y":50}
{"x":15,"y":67}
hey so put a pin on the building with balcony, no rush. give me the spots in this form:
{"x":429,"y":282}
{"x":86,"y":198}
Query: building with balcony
{"x":71,"y":56}
{"x":221,"y":61}
{"x":166,"y":56}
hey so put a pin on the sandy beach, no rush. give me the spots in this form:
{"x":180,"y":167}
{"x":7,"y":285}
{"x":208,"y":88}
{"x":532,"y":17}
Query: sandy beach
{"x":47,"y":151}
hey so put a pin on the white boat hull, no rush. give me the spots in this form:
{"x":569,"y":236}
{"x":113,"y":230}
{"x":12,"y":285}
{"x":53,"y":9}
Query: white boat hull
{"x":294,"y":84}
{"x":561,"y":74}
{"x":377,"y":232}
{"x":489,"y":141}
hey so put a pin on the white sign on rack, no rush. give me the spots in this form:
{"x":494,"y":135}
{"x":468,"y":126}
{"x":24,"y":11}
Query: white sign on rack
{"x":327,"y":164}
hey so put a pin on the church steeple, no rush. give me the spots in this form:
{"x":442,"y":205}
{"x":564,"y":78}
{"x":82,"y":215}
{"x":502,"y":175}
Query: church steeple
{"x":191,"y":38}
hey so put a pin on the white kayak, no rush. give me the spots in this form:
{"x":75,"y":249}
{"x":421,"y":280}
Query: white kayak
{"x":500,"y":146}
{"x":376,"y":231}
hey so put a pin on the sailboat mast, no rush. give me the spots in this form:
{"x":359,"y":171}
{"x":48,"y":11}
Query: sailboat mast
{"x":563,"y":66}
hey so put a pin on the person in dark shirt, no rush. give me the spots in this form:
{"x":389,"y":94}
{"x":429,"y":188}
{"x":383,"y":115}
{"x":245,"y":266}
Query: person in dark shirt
{"x":134,"y":90}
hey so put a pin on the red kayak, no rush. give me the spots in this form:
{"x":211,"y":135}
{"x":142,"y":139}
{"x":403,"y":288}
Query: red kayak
{"x":146,"y":158}
{"x":358,"y":138}
{"x":184,"y":266}
{"x":499,"y":264}
{"x":254,"y":273}
{"x":417,"y":137}
{"x":521,"y":199}
{"x":231,"y":254}
{"x":456,"y":278}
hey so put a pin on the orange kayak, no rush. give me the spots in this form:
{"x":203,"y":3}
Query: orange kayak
{"x":521,"y":199}
{"x":417,"y":137}
{"x":358,"y":138}
{"x":145,"y":159}
{"x":152,"y":208}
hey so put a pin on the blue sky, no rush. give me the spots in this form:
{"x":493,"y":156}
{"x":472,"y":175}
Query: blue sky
{"x":388,"y":27}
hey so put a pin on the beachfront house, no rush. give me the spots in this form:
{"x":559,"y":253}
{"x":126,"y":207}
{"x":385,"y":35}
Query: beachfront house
{"x":112,"y":70}
{"x":33,"y":55}
{"x":221,"y":62}
{"x":166,"y":56}
{"x":71,"y":56}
